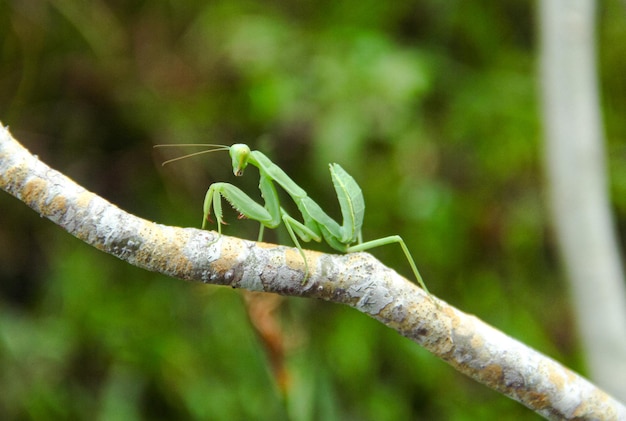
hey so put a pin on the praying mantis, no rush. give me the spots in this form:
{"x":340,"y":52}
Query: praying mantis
{"x":316,"y":224}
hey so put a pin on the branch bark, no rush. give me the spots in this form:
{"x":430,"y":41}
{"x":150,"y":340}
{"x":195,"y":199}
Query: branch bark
{"x":357,"y":279}
{"x":576,"y":169}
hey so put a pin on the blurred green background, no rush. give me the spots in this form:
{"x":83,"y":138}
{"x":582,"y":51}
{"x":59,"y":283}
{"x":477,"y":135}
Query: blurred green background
{"x":431,"y":106}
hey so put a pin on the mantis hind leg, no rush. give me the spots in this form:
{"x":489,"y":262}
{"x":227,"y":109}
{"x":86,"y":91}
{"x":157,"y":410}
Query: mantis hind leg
{"x":390,"y":240}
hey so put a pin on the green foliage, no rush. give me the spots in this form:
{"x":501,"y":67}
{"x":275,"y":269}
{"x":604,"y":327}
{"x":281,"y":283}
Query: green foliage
{"x":431,"y":106}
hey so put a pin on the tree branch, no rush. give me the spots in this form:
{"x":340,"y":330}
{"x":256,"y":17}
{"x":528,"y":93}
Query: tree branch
{"x":357,"y":279}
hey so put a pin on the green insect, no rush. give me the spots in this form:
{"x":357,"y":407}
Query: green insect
{"x":316,"y":225}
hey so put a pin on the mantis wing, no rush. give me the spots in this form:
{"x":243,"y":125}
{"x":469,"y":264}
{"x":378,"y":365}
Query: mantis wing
{"x":351,"y":203}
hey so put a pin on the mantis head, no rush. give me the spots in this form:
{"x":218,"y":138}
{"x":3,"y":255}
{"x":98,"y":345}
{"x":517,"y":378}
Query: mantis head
{"x":240,"y":154}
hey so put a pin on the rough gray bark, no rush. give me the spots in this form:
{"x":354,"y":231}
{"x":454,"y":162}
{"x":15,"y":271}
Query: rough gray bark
{"x":356,"y":279}
{"x":576,"y":169}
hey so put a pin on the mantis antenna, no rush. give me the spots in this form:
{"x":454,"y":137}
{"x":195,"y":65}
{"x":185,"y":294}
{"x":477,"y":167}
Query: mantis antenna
{"x":205,"y":145}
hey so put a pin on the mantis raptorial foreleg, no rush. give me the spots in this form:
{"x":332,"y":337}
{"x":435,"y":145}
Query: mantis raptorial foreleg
{"x":316,"y":223}
{"x":239,"y":200}
{"x":269,"y":216}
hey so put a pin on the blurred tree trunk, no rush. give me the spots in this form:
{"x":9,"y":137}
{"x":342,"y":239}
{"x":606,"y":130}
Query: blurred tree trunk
{"x":578,"y":188}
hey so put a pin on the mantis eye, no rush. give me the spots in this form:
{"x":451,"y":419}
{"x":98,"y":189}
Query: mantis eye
{"x":239,"y":154}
